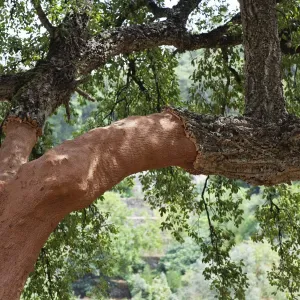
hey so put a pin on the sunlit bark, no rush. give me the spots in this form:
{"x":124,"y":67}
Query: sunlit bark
{"x":71,"y":176}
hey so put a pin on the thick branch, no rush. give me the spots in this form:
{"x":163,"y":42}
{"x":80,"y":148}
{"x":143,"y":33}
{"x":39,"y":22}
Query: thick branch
{"x":54,"y":80}
{"x":16,"y":148}
{"x":61,"y":181}
{"x":244,"y":148}
{"x":263,"y":88}
{"x":140,"y":37}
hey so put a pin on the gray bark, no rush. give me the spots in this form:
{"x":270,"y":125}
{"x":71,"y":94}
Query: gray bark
{"x":9,"y":85}
{"x":244,"y":148}
{"x":263,"y":89}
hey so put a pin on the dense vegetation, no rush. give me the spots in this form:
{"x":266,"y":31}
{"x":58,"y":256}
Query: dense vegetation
{"x":243,"y":240}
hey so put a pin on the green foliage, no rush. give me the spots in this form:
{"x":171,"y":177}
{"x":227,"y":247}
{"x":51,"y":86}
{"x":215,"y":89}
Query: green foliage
{"x":158,"y":290}
{"x":279,"y":224}
{"x":80,"y":244}
{"x":258,"y":260}
{"x":180,"y":257}
{"x":174,"y":280}
{"x":128,"y":243}
{"x":217,"y":82}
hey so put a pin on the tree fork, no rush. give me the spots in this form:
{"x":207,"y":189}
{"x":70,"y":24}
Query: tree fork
{"x":262,"y":148}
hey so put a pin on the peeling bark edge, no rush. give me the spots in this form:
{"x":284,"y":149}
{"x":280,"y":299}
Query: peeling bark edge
{"x":176,"y":113}
{"x":30,"y":122}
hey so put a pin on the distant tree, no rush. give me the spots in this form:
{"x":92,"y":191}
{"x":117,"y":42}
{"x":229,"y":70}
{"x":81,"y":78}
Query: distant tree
{"x":110,"y":52}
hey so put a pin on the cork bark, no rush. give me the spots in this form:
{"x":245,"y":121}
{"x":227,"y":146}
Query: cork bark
{"x":263,"y":88}
{"x":244,"y":148}
{"x":43,"y":191}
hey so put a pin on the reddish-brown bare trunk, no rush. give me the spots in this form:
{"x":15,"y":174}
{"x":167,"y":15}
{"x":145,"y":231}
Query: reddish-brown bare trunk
{"x":71,"y":176}
{"x":16,"y":148}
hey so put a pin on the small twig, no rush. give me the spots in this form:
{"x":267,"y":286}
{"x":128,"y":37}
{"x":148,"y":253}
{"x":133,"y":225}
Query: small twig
{"x":213,"y":235}
{"x":234,"y":72}
{"x":118,"y":99}
{"x":205,"y":204}
{"x":85,"y":95}
{"x":280,"y":234}
{"x":138,"y":81}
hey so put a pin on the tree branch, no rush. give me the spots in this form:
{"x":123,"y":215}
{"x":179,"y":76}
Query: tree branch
{"x":158,"y":12}
{"x":61,"y":181}
{"x":87,"y":53}
{"x":85,"y":95}
{"x":140,"y":37}
{"x":244,"y":148}
{"x":183,"y":9}
{"x":42,"y":16}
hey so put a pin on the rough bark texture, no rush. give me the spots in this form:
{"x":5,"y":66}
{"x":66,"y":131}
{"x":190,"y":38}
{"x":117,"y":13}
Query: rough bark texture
{"x":9,"y":85}
{"x":244,"y":148}
{"x":49,"y":87}
{"x":45,"y":190}
{"x":263,"y":88}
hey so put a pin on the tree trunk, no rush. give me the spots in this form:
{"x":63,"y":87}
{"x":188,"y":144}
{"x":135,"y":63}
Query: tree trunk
{"x":45,"y":190}
{"x":263,"y":89}
{"x":71,"y":176}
